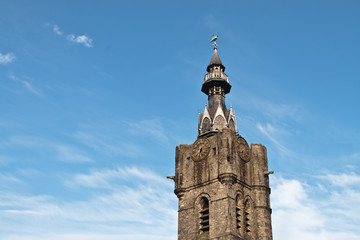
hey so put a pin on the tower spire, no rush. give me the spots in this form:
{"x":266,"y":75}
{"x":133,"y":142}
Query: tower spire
{"x":216,"y":85}
{"x":215,"y":60}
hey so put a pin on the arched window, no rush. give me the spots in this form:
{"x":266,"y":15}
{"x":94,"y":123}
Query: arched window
{"x":219,"y":122}
{"x":232,"y":125}
{"x":206,"y":125}
{"x":204,"y":215}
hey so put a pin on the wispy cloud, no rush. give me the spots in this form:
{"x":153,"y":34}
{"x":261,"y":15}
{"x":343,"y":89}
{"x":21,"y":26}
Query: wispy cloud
{"x":28,"y":86}
{"x":104,"y":178}
{"x":74,"y":38}
{"x":56,"y":30}
{"x":70,"y":154}
{"x":60,"y":152}
{"x":137,"y":199}
{"x":108,"y":144}
{"x":152,"y":127}
{"x":81,"y":39}
{"x":274,"y":111}
{"x":7,"y":58}
{"x":25,"y":141}
{"x":279,"y":111}
{"x":343,"y":179}
{"x":6,"y":178}
{"x":117,"y":202}
{"x":270,"y":132}
{"x":277,"y":122}
{"x":128,"y":137}
{"x":4,"y":160}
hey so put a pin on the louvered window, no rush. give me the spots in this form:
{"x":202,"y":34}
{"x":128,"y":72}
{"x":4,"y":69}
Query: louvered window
{"x":238,"y":218}
{"x":247,"y":218}
{"x":204,"y":215}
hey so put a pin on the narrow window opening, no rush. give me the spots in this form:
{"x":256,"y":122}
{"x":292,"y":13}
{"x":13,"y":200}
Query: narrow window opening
{"x":238,"y":217}
{"x":204,"y":215}
{"x":239,"y":213}
{"x":247,"y":221}
{"x":214,"y":149}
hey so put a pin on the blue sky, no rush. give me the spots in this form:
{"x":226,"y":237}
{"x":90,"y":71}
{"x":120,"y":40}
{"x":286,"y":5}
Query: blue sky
{"x":95,"y":95}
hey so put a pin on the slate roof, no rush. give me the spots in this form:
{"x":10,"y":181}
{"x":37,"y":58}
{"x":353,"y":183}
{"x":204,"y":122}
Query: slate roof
{"x":215,"y":61}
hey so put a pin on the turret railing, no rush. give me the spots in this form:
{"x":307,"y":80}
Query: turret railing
{"x":216,"y":75}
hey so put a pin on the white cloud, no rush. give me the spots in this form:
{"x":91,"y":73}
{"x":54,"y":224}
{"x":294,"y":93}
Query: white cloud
{"x":270,"y":132}
{"x":273,"y":111}
{"x":56,"y":30}
{"x":119,"y":137}
{"x":342,"y":180}
{"x":74,"y":38}
{"x":25,"y":141}
{"x":61,"y":152}
{"x":6,"y":178}
{"x":152,"y":127}
{"x":302,"y":211}
{"x":116,"y":203}
{"x":107,"y":144}
{"x":140,"y":205}
{"x":7,"y":58}
{"x":294,"y":215}
{"x":104,"y":178}
{"x":280,"y":111}
{"x":81,"y":39}
{"x":70,"y":154}
{"x":28,"y":86}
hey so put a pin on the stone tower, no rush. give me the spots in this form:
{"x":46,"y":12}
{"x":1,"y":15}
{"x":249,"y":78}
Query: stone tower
{"x":221,"y":183}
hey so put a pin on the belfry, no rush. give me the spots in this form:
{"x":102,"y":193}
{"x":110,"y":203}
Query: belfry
{"x":222,"y":184}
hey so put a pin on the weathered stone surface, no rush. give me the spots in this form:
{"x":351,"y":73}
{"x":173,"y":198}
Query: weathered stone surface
{"x":227,"y":182}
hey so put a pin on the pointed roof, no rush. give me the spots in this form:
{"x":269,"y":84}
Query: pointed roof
{"x":215,"y":60}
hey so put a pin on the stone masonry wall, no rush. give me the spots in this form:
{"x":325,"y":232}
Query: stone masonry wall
{"x":223,"y":177}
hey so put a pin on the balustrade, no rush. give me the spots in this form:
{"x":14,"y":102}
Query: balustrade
{"x":216,"y":75}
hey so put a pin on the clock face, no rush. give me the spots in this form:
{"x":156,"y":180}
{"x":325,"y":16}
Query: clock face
{"x":243,"y":149}
{"x":200,"y":149}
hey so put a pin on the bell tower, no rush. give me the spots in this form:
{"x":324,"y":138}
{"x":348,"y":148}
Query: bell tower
{"x":222,"y":184}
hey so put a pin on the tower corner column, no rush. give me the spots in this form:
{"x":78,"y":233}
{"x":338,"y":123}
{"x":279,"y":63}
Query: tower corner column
{"x":261,"y":192}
